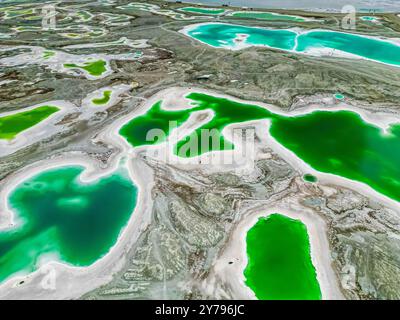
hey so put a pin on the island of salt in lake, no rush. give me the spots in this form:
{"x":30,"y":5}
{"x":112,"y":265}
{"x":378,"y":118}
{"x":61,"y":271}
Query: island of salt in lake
{"x":85,"y":195}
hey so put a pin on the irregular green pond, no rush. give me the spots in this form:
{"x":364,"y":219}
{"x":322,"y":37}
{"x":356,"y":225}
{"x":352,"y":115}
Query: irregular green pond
{"x":221,"y":35}
{"x":59,"y":215}
{"x":279,"y":260}
{"x":210,"y":11}
{"x":95,"y":68}
{"x":266,"y":16}
{"x":104,"y":99}
{"x":336,"y":142}
{"x":13,"y":124}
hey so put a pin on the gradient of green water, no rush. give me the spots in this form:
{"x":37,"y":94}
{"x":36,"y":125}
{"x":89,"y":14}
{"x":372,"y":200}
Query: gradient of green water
{"x":221,"y":35}
{"x":59,"y":215}
{"x":279,"y":260}
{"x":12,"y":125}
{"x":336,"y":142}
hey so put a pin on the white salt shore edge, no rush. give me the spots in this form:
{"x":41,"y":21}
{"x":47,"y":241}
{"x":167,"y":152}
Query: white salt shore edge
{"x":43,"y":129}
{"x":48,"y":127}
{"x":72,"y":282}
{"x":312,"y":51}
{"x":236,"y":251}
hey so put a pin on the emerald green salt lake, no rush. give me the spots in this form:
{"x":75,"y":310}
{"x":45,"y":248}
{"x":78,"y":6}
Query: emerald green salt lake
{"x":221,"y":35}
{"x":279,"y":260}
{"x":58,"y":215}
{"x":13,"y":124}
{"x":335,"y":142}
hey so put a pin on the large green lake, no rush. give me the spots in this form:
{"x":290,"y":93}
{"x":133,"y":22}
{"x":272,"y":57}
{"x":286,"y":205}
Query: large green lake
{"x":59,"y":215}
{"x":222,"y":35}
{"x":336,"y":142}
{"x":279,"y":260}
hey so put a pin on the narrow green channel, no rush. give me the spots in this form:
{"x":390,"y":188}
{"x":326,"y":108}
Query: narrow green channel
{"x":59,"y":215}
{"x":95,"y":68}
{"x":13,"y":124}
{"x":208,"y":11}
{"x":336,"y":142}
{"x":266,"y":16}
{"x":221,"y":35}
{"x":104,"y":99}
{"x":279,"y":260}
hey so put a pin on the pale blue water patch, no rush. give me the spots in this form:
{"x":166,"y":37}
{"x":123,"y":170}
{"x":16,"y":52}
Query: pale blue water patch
{"x":365,"y":47}
{"x":221,"y":35}
{"x":369,"y":18}
{"x":232,"y":36}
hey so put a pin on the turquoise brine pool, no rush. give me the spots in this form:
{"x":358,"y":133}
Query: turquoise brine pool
{"x":207,"y":11}
{"x":229,"y":36}
{"x":263,"y":15}
{"x":58,"y":215}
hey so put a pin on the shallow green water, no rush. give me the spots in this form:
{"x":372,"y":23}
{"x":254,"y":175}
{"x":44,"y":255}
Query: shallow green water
{"x":12,"y":125}
{"x":266,"y":16}
{"x":95,"y":68}
{"x":59,"y":215}
{"x":279,"y":260}
{"x":221,"y":35}
{"x":208,"y":11}
{"x":104,"y":99}
{"x":337,"y":142}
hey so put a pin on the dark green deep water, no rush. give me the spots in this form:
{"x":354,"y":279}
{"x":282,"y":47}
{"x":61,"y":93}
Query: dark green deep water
{"x":336,"y":142}
{"x":57,"y":214}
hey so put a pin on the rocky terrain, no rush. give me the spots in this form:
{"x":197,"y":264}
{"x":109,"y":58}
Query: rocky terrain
{"x":194,"y":212}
